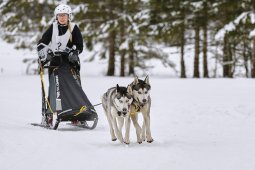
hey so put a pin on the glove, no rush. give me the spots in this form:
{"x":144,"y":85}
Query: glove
{"x":50,"y":55}
{"x":73,"y":57}
{"x":45,"y":56}
{"x":41,"y":54}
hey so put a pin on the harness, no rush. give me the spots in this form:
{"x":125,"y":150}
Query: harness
{"x":138,"y":106}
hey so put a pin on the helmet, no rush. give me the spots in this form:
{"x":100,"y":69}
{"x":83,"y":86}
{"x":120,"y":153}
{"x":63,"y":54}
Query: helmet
{"x":62,"y":8}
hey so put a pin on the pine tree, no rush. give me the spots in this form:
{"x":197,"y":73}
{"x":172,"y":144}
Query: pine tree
{"x":23,"y":21}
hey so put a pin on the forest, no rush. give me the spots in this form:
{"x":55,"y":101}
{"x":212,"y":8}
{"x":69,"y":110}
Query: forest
{"x":131,"y":32}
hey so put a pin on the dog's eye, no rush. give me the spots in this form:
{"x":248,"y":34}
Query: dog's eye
{"x":127,"y":101}
{"x":146,"y":92}
{"x":121,"y":101}
{"x":139,"y":92}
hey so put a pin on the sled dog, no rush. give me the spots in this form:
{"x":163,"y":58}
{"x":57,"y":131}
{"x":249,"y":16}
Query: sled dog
{"x":141,"y":103}
{"x":116,"y":103}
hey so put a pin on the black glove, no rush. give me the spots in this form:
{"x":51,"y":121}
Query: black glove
{"x":50,"y":55}
{"x":73,"y":57}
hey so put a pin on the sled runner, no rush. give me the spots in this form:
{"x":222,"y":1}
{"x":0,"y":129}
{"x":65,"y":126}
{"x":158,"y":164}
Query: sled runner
{"x":66,"y":100}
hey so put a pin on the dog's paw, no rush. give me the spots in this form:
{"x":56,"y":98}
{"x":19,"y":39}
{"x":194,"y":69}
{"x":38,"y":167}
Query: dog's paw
{"x":126,"y":141}
{"x":150,"y":140}
{"x":114,"y":139}
{"x":139,"y":141}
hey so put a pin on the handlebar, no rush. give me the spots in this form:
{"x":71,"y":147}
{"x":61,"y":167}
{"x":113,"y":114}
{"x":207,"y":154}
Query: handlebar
{"x":48,"y":50}
{"x":66,"y":52}
{"x":45,"y":50}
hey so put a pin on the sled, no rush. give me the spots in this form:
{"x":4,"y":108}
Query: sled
{"x":66,"y":100}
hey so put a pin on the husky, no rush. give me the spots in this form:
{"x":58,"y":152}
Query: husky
{"x":141,"y":103}
{"x":116,"y":103}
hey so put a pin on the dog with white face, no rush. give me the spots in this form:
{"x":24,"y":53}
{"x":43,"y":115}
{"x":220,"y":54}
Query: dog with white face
{"x":116,"y":103}
{"x":141,"y":103}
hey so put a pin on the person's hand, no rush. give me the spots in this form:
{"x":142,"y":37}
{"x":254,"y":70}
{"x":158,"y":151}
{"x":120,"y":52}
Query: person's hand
{"x":50,"y":55}
{"x":41,"y":54}
{"x":45,"y":55}
{"x":73,"y":57}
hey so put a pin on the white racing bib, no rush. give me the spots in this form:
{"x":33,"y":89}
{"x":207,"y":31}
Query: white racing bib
{"x":59,"y":43}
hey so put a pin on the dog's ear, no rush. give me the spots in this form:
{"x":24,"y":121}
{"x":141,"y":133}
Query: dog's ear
{"x":117,"y":88}
{"x":129,"y":89}
{"x":136,"y":81}
{"x":146,"y":80}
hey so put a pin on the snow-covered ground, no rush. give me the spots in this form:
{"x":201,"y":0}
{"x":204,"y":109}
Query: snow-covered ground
{"x":197,"y":124}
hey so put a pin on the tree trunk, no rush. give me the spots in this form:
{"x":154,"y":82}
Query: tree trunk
{"x":205,"y":63}
{"x":183,"y":69}
{"x":131,"y":58}
{"x":111,"y":61}
{"x":122,"y":38}
{"x":245,"y":57}
{"x":196,"y":58}
{"x":227,"y":59}
{"x":253,"y":59}
{"x":232,"y":63}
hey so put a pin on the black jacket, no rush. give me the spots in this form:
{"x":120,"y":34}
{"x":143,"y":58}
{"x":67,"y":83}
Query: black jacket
{"x":77,"y":39}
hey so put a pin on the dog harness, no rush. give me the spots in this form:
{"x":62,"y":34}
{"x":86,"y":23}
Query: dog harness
{"x":59,"y":43}
{"x":138,"y":106}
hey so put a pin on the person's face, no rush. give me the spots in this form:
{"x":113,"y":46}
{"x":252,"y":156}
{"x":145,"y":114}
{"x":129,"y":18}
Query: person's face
{"x":63,"y":18}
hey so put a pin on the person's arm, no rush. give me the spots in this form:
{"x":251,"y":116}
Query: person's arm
{"x":77,"y":39}
{"x":46,"y":38}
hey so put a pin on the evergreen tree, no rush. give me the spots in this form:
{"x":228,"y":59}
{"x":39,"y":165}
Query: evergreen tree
{"x":130,"y":30}
{"x":23,"y":21}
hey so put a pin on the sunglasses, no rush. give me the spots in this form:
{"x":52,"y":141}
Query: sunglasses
{"x":62,"y":15}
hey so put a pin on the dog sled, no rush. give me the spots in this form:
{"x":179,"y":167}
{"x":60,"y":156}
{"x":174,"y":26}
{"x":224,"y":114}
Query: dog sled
{"x":66,"y":100}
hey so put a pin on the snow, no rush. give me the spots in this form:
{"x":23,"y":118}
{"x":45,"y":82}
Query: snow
{"x":252,"y":33}
{"x":11,"y":59}
{"x":197,"y":124}
{"x":232,"y":25}
{"x":227,"y":28}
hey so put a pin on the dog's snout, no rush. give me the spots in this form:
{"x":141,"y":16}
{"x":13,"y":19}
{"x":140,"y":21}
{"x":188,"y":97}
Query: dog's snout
{"x":144,"y":100}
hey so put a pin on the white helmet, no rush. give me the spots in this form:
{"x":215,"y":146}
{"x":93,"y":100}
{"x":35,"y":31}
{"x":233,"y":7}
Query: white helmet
{"x":62,"y":8}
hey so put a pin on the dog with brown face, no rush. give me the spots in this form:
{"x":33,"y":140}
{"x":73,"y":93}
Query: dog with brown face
{"x":141,"y":104}
{"x":116,"y":103}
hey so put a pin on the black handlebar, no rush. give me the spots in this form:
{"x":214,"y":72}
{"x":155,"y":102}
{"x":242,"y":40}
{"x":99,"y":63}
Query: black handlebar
{"x":61,"y":53}
{"x":48,"y":51}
